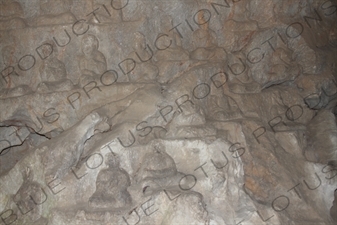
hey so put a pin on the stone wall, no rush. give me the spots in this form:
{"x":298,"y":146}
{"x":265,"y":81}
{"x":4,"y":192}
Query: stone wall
{"x":168,"y":112}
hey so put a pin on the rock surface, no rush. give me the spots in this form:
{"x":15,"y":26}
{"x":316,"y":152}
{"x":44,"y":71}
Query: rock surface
{"x":168,"y":112}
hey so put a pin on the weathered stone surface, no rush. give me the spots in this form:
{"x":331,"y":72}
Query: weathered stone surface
{"x":168,"y":112}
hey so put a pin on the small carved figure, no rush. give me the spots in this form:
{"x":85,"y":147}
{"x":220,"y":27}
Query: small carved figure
{"x":144,"y":69}
{"x":52,"y":69}
{"x":54,"y":12}
{"x":8,"y":58}
{"x":204,"y":42}
{"x":173,"y":53}
{"x":156,"y":173}
{"x":321,"y":138}
{"x":10,"y":81}
{"x":11,"y":15}
{"x":172,"y":49}
{"x":92,"y":62}
{"x":157,"y":164}
{"x":333,"y":35}
{"x":111,"y":186}
{"x":53,"y":72}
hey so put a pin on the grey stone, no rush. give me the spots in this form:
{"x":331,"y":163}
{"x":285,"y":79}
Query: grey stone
{"x":168,"y":112}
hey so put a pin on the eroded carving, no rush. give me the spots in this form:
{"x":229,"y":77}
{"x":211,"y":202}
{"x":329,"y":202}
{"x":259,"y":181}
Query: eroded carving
{"x":157,"y":164}
{"x":53,"y":72}
{"x":187,"y":205}
{"x":53,"y":12}
{"x":92,"y":62}
{"x":30,"y":198}
{"x":141,"y":67}
{"x":64,"y":153}
{"x":11,"y":15}
{"x":333,"y":210}
{"x":103,"y":13}
{"x":204,"y":43}
{"x":224,"y":103}
{"x":11,"y":84}
{"x":111,"y":186}
{"x":169,"y":46}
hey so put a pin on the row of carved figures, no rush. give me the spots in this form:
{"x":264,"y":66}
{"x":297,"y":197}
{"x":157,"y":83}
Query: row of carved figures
{"x":92,"y":62}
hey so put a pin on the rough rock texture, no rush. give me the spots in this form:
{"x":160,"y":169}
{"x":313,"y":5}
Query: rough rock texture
{"x":131,"y":112}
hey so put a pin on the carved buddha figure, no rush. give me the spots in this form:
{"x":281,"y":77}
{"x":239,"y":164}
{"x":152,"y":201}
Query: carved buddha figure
{"x":92,"y":62}
{"x":204,"y":43}
{"x":144,"y":69}
{"x":52,"y":68}
{"x":157,"y":164}
{"x":11,"y":15}
{"x":170,"y":43}
{"x":53,"y":72}
{"x":333,"y":210}
{"x":111,"y":186}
